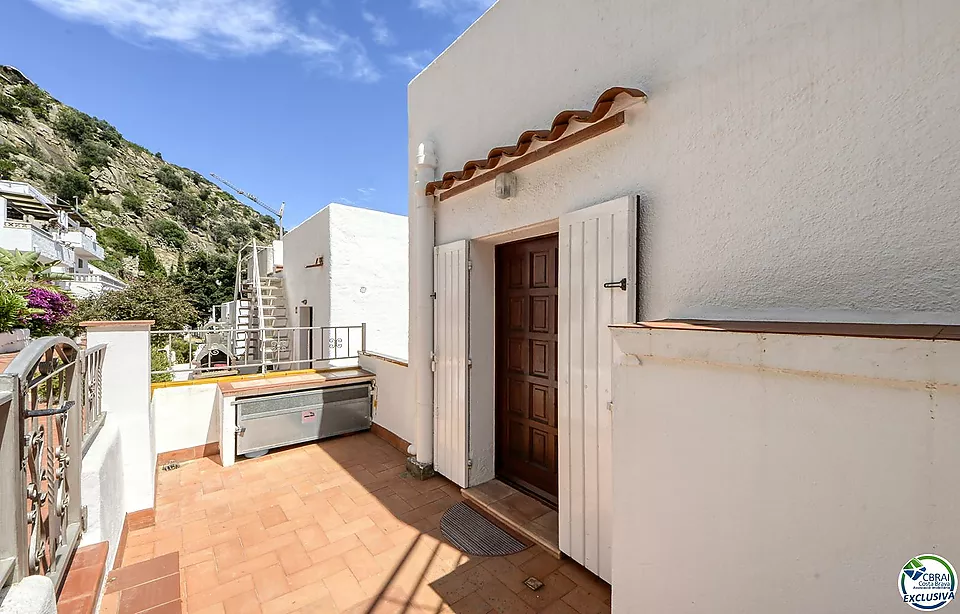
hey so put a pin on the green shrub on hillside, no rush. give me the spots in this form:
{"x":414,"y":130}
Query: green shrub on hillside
{"x":7,"y":169}
{"x":155,"y":299}
{"x":119,"y":240}
{"x":31,"y":96}
{"x":149,"y":263}
{"x":73,"y":125}
{"x":93,"y":153}
{"x":168,"y":232}
{"x":132,"y":202}
{"x":70,"y":185}
{"x":169,"y":178}
{"x":9,"y":109}
{"x":188,"y":209}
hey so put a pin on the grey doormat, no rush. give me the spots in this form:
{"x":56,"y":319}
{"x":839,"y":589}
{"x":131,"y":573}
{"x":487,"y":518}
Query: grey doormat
{"x":469,"y":531}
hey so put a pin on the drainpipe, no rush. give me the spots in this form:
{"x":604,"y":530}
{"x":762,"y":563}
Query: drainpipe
{"x":421,"y":312}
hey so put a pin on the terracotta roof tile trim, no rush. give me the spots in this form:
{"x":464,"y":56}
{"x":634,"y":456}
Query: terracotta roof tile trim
{"x":559,"y":127}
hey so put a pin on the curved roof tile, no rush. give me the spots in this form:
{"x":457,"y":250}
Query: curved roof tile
{"x":559,"y":127}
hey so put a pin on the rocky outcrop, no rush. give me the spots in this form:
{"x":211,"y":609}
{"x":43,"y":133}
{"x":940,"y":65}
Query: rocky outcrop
{"x":118,"y":184}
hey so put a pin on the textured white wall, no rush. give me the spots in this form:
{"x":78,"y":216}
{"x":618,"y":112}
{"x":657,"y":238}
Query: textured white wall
{"x":394,"y":408}
{"x":126,"y":400}
{"x":797,"y":158}
{"x":186,"y":416}
{"x":364,"y":276}
{"x":778,"y":473}
{"x":102,"y":489}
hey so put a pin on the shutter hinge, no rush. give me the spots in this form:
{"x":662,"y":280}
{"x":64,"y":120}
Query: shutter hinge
{"x":433,"y":362}
{"x":609,"y":405}
{"x":83,"y":518}
{"x":469,"y":463}
{"x":240,"y":430}
{"x":469,"y":363}
{"x":469,"y":265}
{"x":433,"y":295}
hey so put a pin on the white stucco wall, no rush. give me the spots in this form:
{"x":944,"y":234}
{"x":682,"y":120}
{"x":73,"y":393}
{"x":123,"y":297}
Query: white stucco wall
{"x":102,"y":489}
{"x":186,"y":416}
{"x":393,"y":401}
{"x":126,"y":400}
{"x":780,"y":473}
{"x":364,"y":276}
{"x":797,"y":159}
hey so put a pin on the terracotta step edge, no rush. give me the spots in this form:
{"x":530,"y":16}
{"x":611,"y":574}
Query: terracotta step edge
{"x":510,"y":523}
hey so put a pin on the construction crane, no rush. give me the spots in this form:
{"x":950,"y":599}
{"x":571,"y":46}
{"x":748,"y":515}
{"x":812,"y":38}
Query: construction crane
{"x":253,"y":198}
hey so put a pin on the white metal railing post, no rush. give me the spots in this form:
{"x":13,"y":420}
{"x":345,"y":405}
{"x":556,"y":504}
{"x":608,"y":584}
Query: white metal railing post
{"x":13,"y":513}
{"x":363,"y":338}
{"x":259,"y":295}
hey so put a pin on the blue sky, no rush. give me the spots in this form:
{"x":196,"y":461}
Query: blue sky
{"x":302,"y":101}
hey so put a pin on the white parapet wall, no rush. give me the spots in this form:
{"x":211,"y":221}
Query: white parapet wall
{"x":102,"y":489}
{"x":126,"y":402}
{"x":393,"y":404}
{"x":187,"y":416}
{"x":783,"y":473}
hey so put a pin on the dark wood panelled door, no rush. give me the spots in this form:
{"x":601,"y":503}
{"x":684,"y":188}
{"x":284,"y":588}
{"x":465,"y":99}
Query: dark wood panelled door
{"x":526,"y":368}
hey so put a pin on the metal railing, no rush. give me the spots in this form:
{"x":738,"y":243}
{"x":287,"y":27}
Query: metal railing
{"x":217,"y":350}
{"x":91,"y":278}
{"x":49,"y":404}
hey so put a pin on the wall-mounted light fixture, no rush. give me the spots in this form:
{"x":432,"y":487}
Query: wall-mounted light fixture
{"x":506,"y":185}
{"x":316,"y":263}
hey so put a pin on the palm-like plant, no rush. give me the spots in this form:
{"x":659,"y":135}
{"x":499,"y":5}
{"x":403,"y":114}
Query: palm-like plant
{"x":26,"y":266}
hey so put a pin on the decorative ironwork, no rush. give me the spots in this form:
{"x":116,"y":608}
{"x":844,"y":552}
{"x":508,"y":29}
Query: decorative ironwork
{"x":335,"y":343}
{"x":47,"y":381}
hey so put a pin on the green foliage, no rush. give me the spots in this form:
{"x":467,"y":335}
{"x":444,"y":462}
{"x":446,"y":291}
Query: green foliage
{"x":204,"y":194}
{"x":34,"y":98}
{"x":9,"y":109}
{"x":181,"y":349}
{"x":17,"y":266}
{"x":158,"y":155}
{"x":70,"y":185}
{"x":159,"y":362}
{"x":13,"y":309}
{"x":168,"y":232}
{"x":93,"y":153}
{"x":169,"y":178}
{"x":208,"y":280}
{"x":233,"y":232}
{"x":73,"y":125}
{"x":156,"y":299}
{"x":133,"y":203}
{"x":189,"y":209}
{"x":77,"y":126}
{"x":137,"y":147}
{"x":7,"y":150}
{"x":149,"y":263}
{"x":7,"y":168}
{"x":119,"y":240}
{"x":100,"y":203}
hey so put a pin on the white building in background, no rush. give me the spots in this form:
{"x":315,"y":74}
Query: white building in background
{"x":347,"y":265}
{"x":30,"y":221}
{"x":785,"y":176}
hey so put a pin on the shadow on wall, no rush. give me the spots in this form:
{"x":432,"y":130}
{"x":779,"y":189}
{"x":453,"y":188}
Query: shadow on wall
{"x":186,"y":416}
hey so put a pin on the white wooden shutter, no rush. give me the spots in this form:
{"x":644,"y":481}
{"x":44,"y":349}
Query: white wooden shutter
{"x":451,"y":320}
{"x":597,"y":246}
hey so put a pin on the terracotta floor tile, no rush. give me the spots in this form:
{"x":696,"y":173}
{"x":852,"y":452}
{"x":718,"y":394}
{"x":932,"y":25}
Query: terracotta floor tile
{"x":361,"y":563}
{"x":583,"y":602}
{"x":317,"y":572}
{"x":344,"y":589}
{"x":272,"y":516}
{"x":150,"y":594}
{"x":173,"y":607}
{"x":558,"y":607}
{"x":219,"y":594}
{"x":472,"y":604}
{"x":294,"y":558}
{"x":200,"y":577}
{"x":247,"y":567}
{"x":244,"y":603}
{"x":80,"y":605}
{"x":555,"y":586}
{"x":312,"y":537}
{"x":296,"y":600}
{"x":541,"y":565}
{"x":271,"y":582}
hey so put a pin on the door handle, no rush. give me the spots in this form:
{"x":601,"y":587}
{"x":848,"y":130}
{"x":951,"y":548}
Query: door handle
{"x":622,"y":284}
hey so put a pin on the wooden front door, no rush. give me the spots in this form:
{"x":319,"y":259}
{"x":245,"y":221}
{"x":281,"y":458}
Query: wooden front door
{"x":526,"y":365}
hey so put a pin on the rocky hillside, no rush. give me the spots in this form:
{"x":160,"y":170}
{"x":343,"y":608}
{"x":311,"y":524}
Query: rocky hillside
{"x":150,"y":215}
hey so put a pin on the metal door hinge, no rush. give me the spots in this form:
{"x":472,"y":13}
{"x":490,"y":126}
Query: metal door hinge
{"x":469,"y":363}
{"x":610,"y":406}
{"x":83,"y":518}
{"x":433,"y":295}
{"x":240,"y":430}
{"x":469,"y":463}
{"x":433,"y":362}
{"x":469,"y":265}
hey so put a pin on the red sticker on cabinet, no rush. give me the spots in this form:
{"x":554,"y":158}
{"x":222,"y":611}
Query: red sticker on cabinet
{"x":308,"y":416}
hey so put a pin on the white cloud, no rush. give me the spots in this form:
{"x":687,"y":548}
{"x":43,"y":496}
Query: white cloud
{"x":223,"y":27}
{"x":459,"y":9}
{"x":414,"y":61}
{"x":378,"y":28}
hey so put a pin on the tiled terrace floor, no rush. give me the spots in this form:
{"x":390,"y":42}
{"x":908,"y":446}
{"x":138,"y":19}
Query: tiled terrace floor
{"x":338,"y":527}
